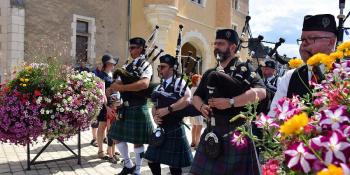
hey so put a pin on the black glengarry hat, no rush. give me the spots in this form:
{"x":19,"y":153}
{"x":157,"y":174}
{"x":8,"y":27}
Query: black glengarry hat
{"x":321,"y":22}
{"x":168,"y":59}
{"x":137,"y":41}
{"x":270,"y":64}
{"x":227,"y":34}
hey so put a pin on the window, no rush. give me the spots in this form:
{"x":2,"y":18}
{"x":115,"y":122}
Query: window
{"x":83,"y":38}
{"x":82,"y":41}
{"x":235,"y":4}
{"x":234,"y":27}
{"x":197,"y":1}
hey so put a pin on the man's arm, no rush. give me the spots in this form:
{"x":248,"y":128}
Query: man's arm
{"x":136,"y":86}
{"x":178,"y":105}
{"x":250,"y":96}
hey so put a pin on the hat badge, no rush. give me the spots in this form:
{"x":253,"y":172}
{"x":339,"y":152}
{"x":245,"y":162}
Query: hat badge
{"x":325,"y":22}
{"x":228,"y":34}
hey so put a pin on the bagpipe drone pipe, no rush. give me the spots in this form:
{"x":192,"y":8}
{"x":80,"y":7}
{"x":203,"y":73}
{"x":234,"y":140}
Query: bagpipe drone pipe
{"x":162,"y":98}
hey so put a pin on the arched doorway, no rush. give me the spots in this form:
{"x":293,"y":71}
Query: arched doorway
{"x":186,"y":49}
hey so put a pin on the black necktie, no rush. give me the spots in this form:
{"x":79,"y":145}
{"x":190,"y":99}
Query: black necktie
{"x":164,"y":84}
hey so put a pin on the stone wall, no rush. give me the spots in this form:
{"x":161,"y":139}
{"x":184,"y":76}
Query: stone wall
{"x":49,"y":25}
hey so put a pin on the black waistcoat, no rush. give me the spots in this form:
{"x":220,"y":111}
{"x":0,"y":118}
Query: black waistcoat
{"x":299,"y":82}
{"x":130,"y":96}
{"x":171,"y":121}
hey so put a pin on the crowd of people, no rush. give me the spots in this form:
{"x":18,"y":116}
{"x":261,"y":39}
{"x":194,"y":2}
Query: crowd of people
{"x":219,"y":94}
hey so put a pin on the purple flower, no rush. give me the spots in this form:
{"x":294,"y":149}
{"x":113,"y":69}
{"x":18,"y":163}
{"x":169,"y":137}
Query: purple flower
{"x":299,"y":157}
{"x":334,"y":147}
{"x":238,"y":140}
{"x":333,"y":118}
{"x":286,"y":108}
{"x":265,"y":121}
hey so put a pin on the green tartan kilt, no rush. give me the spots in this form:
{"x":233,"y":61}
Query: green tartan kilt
{"x":230,"y":162}
{"x":135,"y":126}
{"x":175,"y":151}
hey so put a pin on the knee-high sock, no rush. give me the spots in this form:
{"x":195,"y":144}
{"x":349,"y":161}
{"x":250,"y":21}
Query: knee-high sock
{"x":155,"y":168}
{"x":123,"y":149}
{"x":138,"y":158}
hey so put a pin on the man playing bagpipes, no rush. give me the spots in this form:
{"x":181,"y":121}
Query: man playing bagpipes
{"x":134,"y":123}
{"x":221,"y":95}
{"x":168,"y":143}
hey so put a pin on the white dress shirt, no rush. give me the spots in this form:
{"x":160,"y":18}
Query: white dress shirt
{"x":282,"y":89}
{"x":169,"y":80}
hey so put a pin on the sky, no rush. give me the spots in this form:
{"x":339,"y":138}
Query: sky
{"x":284,"y":18}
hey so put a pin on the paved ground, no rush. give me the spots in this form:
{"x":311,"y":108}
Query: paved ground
{"x":13,"y":159}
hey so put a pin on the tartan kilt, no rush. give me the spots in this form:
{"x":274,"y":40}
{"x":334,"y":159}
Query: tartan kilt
{"x":230,"y":162}
{"x":175,"y":150}
{"x":135,"y":126}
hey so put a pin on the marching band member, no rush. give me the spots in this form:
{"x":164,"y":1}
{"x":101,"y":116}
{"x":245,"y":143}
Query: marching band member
{"x":175,"y":150}
{"x":134,"y":123}
{"x":229,"y":160}
{"x":318,"y":36}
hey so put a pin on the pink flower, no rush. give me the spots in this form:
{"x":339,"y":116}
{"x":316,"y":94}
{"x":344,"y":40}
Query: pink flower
{"x":239,"y":140}
{"x":265,"y":121}
{"x":286,"y":108}
{"x":318,"y":102}
{"x":333,"y":118}
{"x":299,"y":157}
{"x":335,"y":147}
{"x":271,"y":167}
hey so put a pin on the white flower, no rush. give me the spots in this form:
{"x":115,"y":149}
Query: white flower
{"x":47,"y":112}
{"x":335,"y":147}
{"x":64,"y":101}
{"x":300,"y":156}
{"x":70,"y":98}
{"x":335,"y":118}
{"x":82,"y":111}
{"x":42,"y":111}
{"x":61,"y":109}
{"x":38,"y":101}
{"x":52,"y":116}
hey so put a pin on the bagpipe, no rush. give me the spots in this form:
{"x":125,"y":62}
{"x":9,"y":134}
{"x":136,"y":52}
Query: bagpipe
{"x":161,"y":98}
{"x":128,"y":77}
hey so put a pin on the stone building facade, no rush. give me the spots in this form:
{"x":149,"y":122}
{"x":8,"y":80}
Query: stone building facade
{"x":86,"y":29}
{"x":70,"y":29}
{"x":200,"y":18}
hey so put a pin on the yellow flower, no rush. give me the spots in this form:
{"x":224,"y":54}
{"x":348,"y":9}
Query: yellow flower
{"x":328,"y":61}
{"x":24,"y":85}
{"x":345,"y":46}
{"x":21,"y":79}
{"x":28,"y":68}
{"x":332,"y":170}
{"x":295,"y":63}
{"x":316,"y":59}
{"x":337,"y":55}
{"x":294,"y":125}
{"x":26,"y":80}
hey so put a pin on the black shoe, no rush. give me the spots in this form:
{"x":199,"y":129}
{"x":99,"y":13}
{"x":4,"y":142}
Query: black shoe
{"x":127,"y":171}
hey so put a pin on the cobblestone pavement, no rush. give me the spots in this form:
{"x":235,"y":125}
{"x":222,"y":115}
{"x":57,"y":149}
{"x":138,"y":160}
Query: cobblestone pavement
{"x":13,"y":159}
